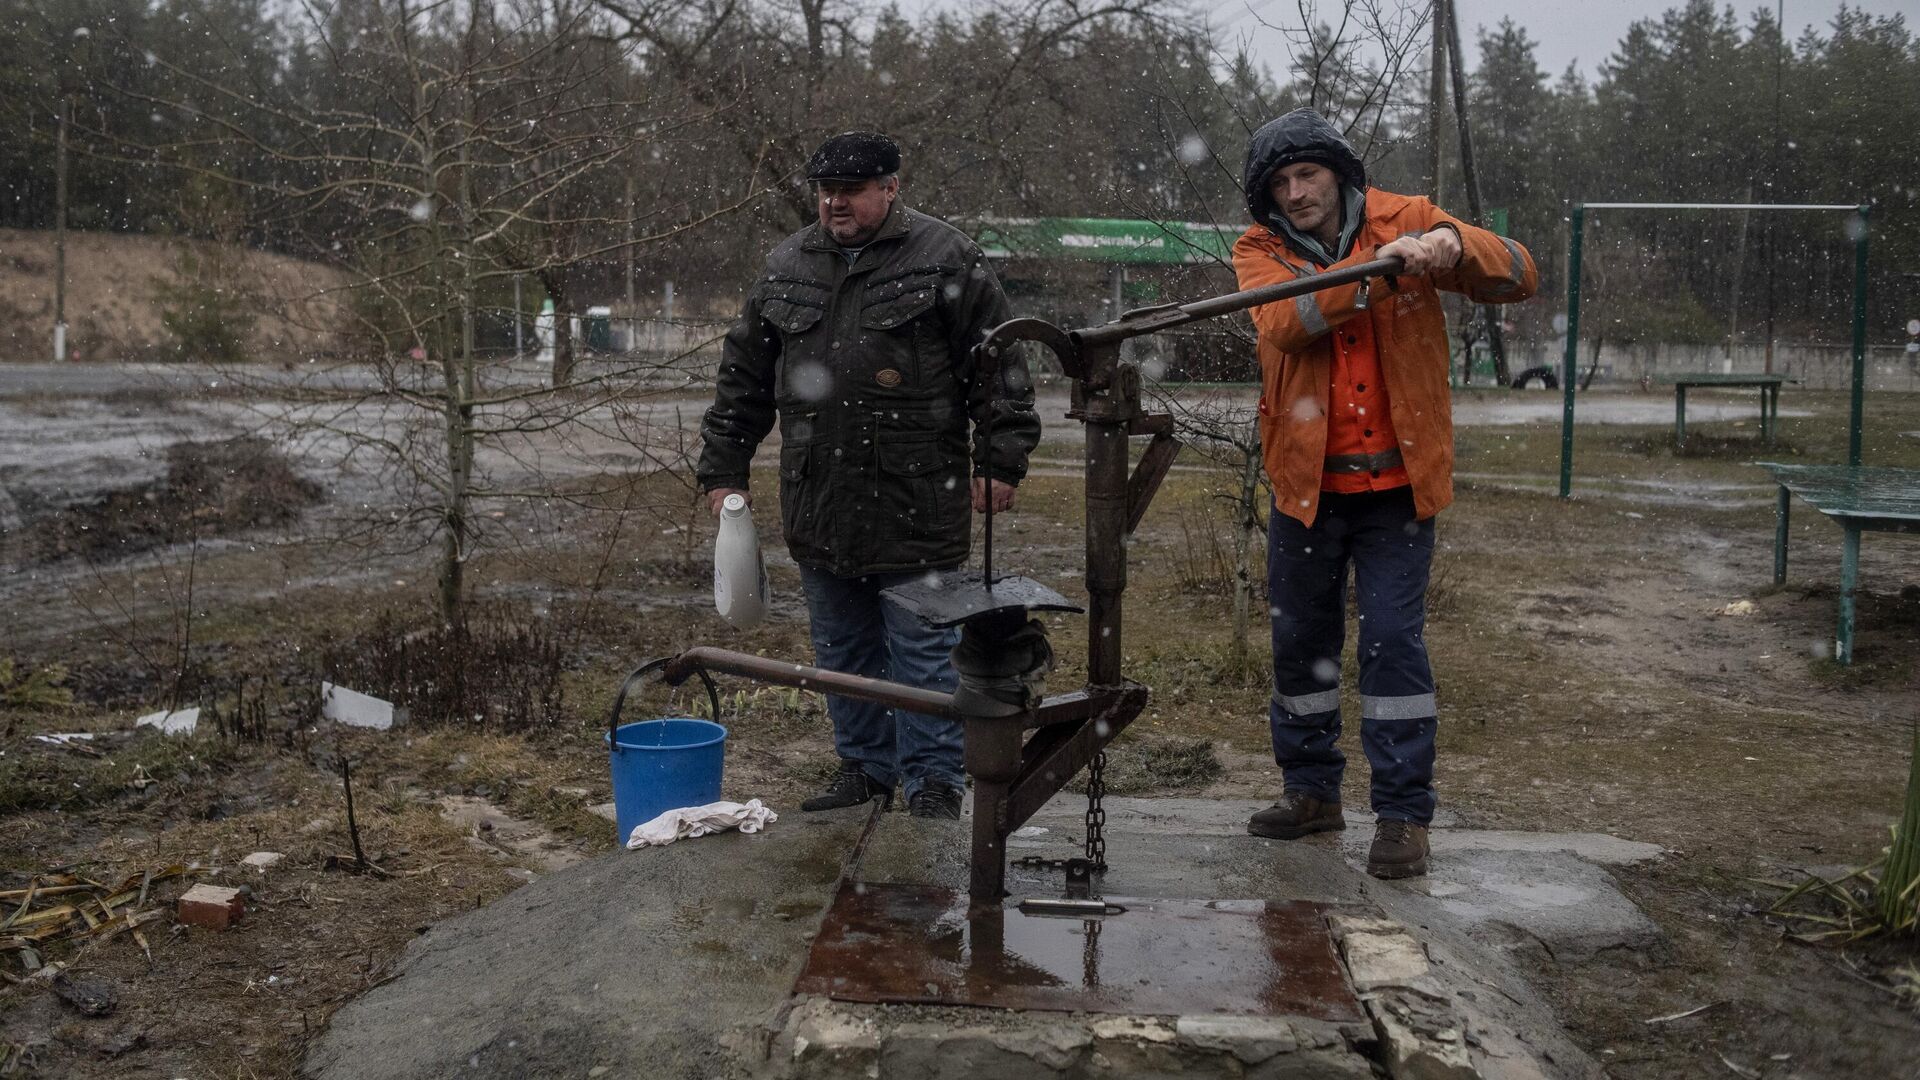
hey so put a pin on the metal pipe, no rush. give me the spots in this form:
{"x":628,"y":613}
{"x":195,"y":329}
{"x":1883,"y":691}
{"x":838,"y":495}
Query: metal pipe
{"x":786,"y":673}
{"x":1573,"y":351}
{"x":1716,"y":206}
{"x":1143,"y":321}
{"x":1859,"y":346}
{"x":1107,"y":412}
{"x":60,"y":234}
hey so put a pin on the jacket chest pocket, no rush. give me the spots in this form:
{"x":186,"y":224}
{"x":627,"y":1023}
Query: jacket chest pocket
{"x":899,"y":321}
{"x":923,"y":491}
{"x":800,"y":376}
{"x":790,"y":317}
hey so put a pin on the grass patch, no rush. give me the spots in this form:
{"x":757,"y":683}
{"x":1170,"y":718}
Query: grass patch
{"x":1156,"y":764}
{"x":1882,"y":898}
{"x":37,"y":688}
{"x":132,"y":768}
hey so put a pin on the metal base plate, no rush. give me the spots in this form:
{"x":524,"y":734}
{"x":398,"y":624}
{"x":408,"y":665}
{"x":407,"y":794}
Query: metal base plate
{"x":951,"y":597}
{"x":917,"y":944}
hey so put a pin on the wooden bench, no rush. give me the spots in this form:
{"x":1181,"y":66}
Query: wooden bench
{"x":1769,"y":399}
{"x":1859,"y":498}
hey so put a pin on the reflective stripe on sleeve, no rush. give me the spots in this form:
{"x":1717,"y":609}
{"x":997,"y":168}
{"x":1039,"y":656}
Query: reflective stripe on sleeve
{"x":1308,"y":309}
{"x":1517,"y":267}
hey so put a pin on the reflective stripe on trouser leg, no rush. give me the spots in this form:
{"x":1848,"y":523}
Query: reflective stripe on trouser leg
{"x":931,"y":748}
{"x":849,"y":635}
{"x":1393,"y":554}
{"x":1306,"y":600}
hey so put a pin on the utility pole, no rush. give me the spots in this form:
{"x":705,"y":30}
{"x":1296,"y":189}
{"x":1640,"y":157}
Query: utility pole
{"x":1437,"y":104}
{"x":1739,"y":266}
{"x":60,"y":234}
{"x":1495,"y":339}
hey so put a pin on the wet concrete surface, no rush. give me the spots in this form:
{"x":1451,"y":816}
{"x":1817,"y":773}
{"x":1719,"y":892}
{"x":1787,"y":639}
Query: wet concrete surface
{"x":1502,"y":887}
{"x":647,"y":962}
{"x":923,"y":944}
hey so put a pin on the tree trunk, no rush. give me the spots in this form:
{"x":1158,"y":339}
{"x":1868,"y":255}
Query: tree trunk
{"x":1496,"y":342}
{"x":457,"y":377}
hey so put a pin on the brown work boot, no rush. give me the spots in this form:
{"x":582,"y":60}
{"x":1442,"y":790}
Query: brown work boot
{"x":1399,"y":850}
{"x":1296,"y":815}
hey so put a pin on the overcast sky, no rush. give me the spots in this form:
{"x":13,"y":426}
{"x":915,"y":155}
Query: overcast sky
{"x":1583,"y":32}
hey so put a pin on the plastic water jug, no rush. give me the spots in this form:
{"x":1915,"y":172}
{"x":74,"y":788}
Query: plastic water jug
{"x":739,"y":572}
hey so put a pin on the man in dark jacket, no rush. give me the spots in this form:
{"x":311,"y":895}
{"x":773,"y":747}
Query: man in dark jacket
{"x":1356,"y":432}
{"x":858,"y":336}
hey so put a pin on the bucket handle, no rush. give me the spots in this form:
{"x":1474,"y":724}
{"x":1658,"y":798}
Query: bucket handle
{"x":633,"y":679}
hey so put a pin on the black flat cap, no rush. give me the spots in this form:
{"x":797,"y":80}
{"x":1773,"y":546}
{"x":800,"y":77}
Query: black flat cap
{"x":854,"y":155}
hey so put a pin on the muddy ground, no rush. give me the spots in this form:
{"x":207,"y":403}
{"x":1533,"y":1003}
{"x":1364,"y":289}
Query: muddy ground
{"x":1590,"y":679}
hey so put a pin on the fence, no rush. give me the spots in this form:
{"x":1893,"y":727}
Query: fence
{"x":1813,"y":366}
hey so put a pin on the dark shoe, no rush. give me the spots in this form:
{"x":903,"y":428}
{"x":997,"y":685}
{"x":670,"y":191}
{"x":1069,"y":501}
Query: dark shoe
{"x":850,"y":787}
{"x":1296,"y":815}
{"x":936,"y":801}
{"x":1399,"y":850}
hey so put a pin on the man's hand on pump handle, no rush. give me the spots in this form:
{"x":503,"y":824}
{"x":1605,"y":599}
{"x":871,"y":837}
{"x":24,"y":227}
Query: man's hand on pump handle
{"x":1002,"y":496}
{"x":1438,"y":249}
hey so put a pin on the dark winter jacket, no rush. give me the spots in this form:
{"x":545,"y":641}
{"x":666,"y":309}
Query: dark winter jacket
{"x":870,"y":371}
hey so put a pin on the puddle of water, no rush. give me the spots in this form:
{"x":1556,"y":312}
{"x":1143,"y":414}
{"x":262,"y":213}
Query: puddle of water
{"x":920,"y":944}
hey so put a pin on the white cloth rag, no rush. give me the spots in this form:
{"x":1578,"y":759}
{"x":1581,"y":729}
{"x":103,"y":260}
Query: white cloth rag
{"x":691,"y":821}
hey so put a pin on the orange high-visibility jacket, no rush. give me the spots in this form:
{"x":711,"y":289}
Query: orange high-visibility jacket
{"x":1410,"y":336}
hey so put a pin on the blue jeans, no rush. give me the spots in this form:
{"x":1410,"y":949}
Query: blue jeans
{"x":856,"y":631}
{"x":1391,"y":553}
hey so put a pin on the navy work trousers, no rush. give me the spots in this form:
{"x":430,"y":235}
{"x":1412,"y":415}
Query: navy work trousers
{"x":1391,"y":553}
{"x":857,"y":631}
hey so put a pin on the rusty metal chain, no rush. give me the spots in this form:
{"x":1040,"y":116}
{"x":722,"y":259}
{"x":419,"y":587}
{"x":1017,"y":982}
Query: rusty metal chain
{"x":1096,"y":813}
{"x":1096,"y":842}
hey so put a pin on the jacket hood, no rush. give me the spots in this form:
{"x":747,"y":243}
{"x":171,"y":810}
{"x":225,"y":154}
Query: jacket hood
{"x":1302,"y":135}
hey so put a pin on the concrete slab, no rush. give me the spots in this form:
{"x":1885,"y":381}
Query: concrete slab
{"x":676,"y":962}
{"x":637,"y":961}
{"x":1501,"y":886}
{"x":826,"y":1040}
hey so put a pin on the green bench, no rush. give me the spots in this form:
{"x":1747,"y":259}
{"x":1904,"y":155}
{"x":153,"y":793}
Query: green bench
{"x":1769,"y":399}
{"x":1858,"y":498}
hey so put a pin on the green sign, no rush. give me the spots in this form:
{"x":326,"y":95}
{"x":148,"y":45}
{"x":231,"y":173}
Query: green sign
{"x":1105,"y":240}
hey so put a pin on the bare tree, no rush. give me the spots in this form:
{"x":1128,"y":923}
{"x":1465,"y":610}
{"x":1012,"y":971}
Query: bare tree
{"x":436,"y":151}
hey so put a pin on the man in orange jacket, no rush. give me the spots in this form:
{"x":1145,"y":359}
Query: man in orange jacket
{"x":1356,"y":432}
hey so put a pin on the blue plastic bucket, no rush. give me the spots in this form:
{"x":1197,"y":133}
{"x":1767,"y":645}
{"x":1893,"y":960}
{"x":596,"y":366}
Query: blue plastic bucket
{"x":661,"y":765}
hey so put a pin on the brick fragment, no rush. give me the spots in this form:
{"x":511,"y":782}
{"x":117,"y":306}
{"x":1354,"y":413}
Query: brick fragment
{"x":211,"y":906}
